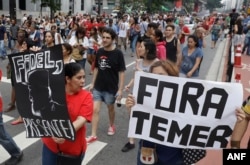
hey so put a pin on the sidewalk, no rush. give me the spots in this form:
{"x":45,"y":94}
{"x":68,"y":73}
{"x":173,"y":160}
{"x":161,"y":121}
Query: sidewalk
{"x":214,"y":157}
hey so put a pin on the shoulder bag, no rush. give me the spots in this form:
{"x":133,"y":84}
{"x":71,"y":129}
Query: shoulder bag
{"x":148,"y":155}
{"x":65,"y":159}
{"x":76,"y":53}
{"x":186,"y":64}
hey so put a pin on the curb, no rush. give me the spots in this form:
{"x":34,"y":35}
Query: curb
{"x":215,"y":72}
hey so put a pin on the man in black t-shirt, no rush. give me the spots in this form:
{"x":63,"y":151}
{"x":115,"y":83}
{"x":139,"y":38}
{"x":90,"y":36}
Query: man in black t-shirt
{"x":233,"y":17}
{"x":108,"y":81}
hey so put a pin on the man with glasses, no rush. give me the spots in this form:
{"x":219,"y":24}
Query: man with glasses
{"x":170,"y":21}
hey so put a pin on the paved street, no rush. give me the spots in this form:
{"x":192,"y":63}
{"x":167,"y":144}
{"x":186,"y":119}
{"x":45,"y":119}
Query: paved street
{"x":108,"y":148}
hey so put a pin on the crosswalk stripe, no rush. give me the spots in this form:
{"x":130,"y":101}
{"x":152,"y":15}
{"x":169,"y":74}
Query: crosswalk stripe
{"x":5,"y":80}
{"x":7,"y":118}
{"x":92,"y":150}
{"x":21,"y":141}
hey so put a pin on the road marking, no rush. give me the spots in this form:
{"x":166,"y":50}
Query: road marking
{"x":7,"y":118}
{"x":5,"y":80}
{"x":92,"y":150}
{"x":21,"y":141}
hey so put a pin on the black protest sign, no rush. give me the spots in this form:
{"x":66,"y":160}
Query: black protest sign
{"x":39,"y":83}
{"x":182,"y":112}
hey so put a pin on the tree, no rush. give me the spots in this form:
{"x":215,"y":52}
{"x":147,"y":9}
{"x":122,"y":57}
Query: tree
{"x":188,"y":4}
{"x":212,"y":4}
{"x":155,"y":5}
{"x":54,"y":5}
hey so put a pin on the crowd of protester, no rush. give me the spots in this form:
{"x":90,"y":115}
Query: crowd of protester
{"x":151,"y":38}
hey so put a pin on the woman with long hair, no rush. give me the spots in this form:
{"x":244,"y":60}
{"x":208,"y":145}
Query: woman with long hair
{"x":160,"y":45}
{"x":80,"y":42}
{"x":147,"y":54}
{"x":93,"y":44}
{"x":134,"y":33}
{"x":200,"y":34}
{"x":215,"y":33}
{"x":191,"y":58}
{"x":67,"y":50}
{"x":49,"y":39}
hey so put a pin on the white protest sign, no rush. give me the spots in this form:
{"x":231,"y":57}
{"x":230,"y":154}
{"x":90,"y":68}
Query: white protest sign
{"x":182,"y":112}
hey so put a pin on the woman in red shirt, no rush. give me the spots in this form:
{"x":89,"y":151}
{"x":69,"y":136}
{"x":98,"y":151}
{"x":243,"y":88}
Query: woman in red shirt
{"x":80,"y":109}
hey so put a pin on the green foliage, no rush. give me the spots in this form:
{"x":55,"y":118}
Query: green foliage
{"x":188,"y":4}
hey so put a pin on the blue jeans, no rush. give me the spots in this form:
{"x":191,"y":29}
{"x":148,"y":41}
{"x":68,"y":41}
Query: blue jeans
{"x":9,"y":40}
{"x":6,"y":140}
{"x":3,"y":52}
{"x":82,"y":63}
{"x":133,"y":43}
{"x":104,"y":96}
{"x":49,"y":157}
{"x":214,"y":37}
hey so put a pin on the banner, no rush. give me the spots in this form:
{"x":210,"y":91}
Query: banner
{"x":39,"y":82}
{"x":182,"y":112}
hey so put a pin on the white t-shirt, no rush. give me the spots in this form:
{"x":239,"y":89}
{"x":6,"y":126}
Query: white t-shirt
{"x":85,"y":43}
{"x":57,"y":39}
{"x":123,"y":28}
{"x":62,"y":25}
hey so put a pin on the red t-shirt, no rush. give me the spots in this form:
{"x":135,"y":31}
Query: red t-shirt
{"x":80,"y":104}
{"x":88,"y":25}
{"x":185,"y":30}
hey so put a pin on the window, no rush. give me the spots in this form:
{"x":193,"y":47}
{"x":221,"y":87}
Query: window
{"x":82,"y":4}
{"x":22,"y":4}
{"x":1,"y":4}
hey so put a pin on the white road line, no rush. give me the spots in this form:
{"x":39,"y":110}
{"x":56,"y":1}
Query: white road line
{"x":7,"y":118}
{"x":21,"y":142}
{"x":5,"y":80}
{"x":92,"y":150}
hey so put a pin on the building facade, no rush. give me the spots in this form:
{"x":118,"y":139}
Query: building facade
{"x":73,"y":6}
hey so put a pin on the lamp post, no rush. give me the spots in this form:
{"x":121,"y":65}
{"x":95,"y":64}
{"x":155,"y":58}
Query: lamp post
{"x":99,"y":7}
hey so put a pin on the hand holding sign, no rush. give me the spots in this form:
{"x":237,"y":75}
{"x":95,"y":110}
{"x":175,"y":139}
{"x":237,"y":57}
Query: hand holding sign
{"x":182,"y":112}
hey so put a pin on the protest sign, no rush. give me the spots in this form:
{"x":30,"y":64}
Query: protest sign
{"x":39,"y":83}
{"x":182,"y":112}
